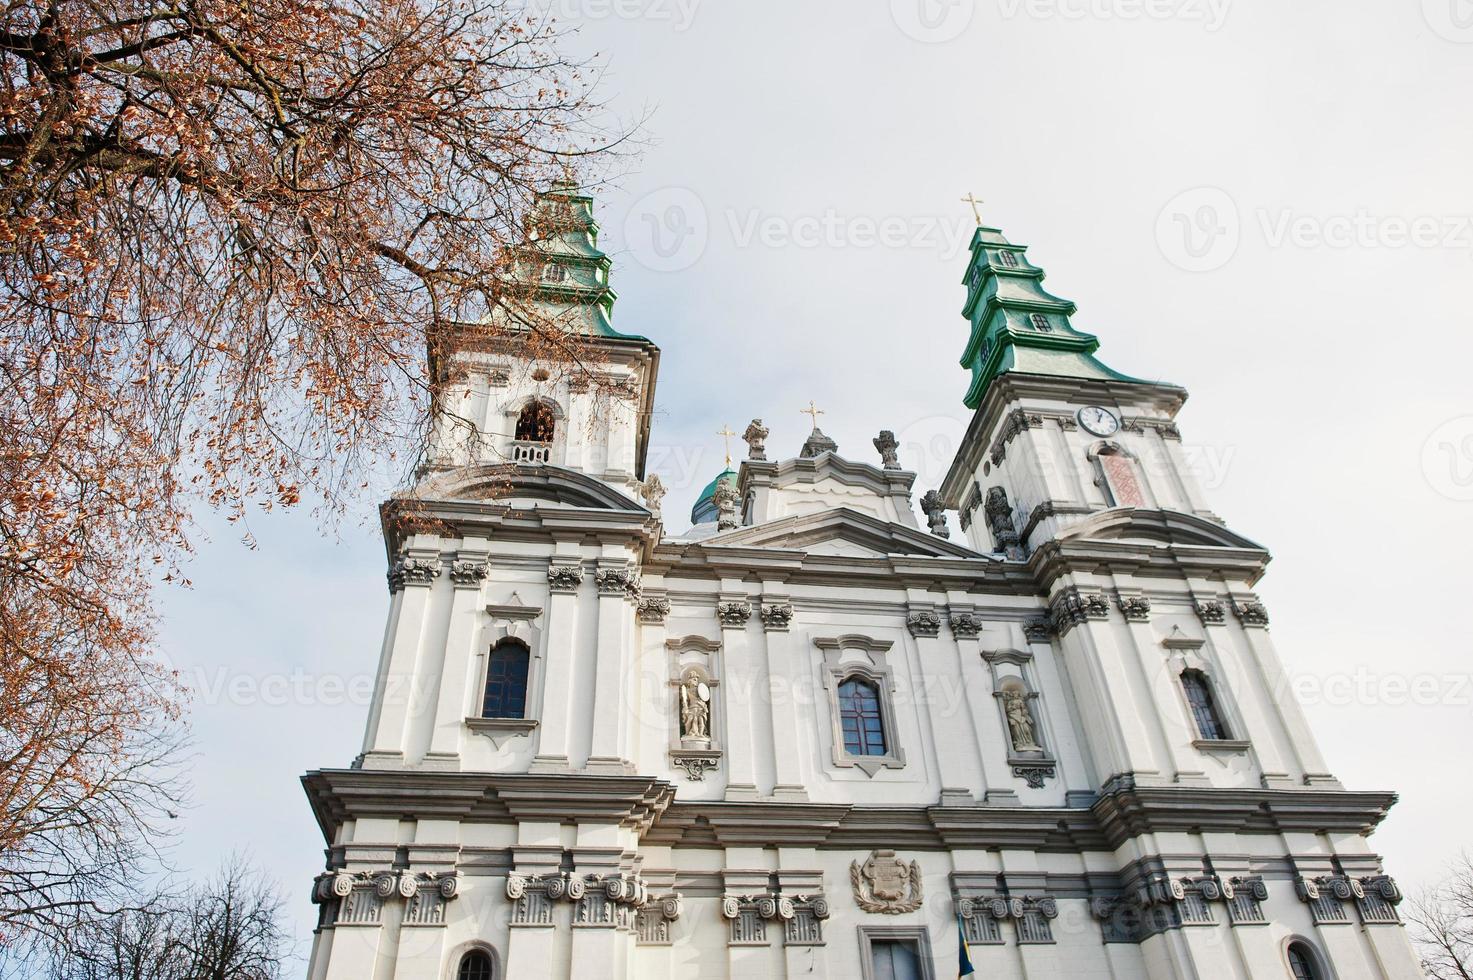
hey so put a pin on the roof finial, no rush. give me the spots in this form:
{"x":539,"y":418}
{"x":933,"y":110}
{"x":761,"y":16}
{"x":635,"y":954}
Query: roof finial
{"x":812,"y":410}
{"x":974,"y":200}
{"x":726,"y":435}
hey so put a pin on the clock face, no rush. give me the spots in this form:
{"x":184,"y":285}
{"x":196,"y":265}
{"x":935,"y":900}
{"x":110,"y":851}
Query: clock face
{"x":1099,"y":420}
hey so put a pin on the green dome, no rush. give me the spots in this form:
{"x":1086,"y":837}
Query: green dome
{"x":704,"y":510}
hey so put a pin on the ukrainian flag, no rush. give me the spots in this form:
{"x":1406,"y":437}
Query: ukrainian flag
{"x":964,"y":966}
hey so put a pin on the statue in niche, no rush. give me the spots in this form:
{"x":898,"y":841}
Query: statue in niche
{"x":1020,"y":721}
{"x":695,"y":709}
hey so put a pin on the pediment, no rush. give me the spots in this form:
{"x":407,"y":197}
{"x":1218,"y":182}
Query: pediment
{"x":526,"y":486}
{"x":842,"y":532}
{"x":1158,"y":527}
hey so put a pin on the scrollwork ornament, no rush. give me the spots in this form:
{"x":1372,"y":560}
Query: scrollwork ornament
{"x":449,"y":886}
{"x":342,"y":885}
{"x":671,"y":907}
{"x":557,"y":888}
{"x":785,"y":909}
{"x":385,"y":885}
{"x":820,"y":907}
{"x":577,"y":888}
{"x":516,"y":887}
{"x":1048,"y":907}
{"x":408,"y":885}
{"x":767,"y":907}
{"x":731,"y":907}
{"x":998,"y":907}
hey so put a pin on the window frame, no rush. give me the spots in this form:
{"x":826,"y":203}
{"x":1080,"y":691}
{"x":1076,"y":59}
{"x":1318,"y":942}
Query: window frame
{"x":1192,"y":678}
{"x":509,"y":624}
{"x":458,"y":956}
{"x":862,"y":732}
{"x":507,"y":643}
{"x":852,"y":656}
{"x":919,"y":935}
{"x":1319,"y":964}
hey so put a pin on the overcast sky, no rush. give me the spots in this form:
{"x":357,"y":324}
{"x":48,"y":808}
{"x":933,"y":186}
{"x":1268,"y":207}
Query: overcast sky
{"x":1268,"y":203}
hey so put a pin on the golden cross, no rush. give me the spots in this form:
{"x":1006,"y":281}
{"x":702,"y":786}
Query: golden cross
{"x":726,"y":435}
{"x":974,"y":200}
{"x":813,"y":410}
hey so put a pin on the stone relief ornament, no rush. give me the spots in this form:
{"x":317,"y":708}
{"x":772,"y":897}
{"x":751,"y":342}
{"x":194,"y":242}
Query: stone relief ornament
{"x":1038,"y":631}
{"x":1020,"y":721}
{"x":1251,"y":613}
{"x":467,"y":572}
{"x":654,"y":609}
{"x":887,"y":446}
{"x":924,"y":622}
{"x":617,"y":581}
{"x":885,"y":884}
{"x":733,"y":613}
{"x":1033,"y":776}
{"x":696,"y":765}
{"x":413,"y":571}
{"x":776,"y":616}
{"x":1072,"y":607}
{"x":564,"y":578}
{"x":935,"y":512}
{"x":1211,"y":612}
{"x":1137,"y":609}
{"x":965,"y":624}
{"x":652,"y":491}
{"x":695,"y":709}
{"x":756,"y":439}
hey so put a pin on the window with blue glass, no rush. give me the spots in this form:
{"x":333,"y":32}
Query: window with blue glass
{"x":1204,"y":710}
{"x":506,"y":681}
{"x":860,"y":718}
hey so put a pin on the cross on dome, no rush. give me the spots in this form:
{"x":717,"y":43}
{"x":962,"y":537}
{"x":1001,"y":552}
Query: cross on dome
{"x":814,"y":411}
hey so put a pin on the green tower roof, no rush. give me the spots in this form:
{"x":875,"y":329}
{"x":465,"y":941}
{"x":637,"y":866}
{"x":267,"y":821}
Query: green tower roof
{"x":563,"y":263}
{"x":1016,"y":324}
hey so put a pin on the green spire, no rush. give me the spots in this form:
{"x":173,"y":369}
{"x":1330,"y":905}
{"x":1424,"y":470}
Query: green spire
{"x":563,"y":260}
{"x":1016,"y":325}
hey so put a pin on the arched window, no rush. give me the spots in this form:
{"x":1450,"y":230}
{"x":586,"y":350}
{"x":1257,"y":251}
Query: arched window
{"x":1204,"y":710}
{"x":1301,"y":962}
{"x":859,"y":717}
{"x":475,"y":965}
{"x":506,"y":681}
{"x":535,"y":424}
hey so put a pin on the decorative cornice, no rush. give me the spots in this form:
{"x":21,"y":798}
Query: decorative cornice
{"x":776,"y":616}
{"x":966,"y":625}
{"x":654,"y":609}
{"x":408,"y":570}
{"x":1072,"y":607}
{"x":468,"y":573}
{"x":617,"y":582}
{"x":923,"y":623}
{"x":564,"y":578}
{"x":733,"y":614}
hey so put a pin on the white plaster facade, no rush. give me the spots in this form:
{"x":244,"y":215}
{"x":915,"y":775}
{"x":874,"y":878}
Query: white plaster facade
{"x":588,"y":839}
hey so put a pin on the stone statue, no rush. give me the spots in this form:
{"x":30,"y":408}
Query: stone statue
{"x":1000,"y":522}
{"x":695,"y":709}
{"x":756,"y":439}
{"x":726,"y":500}
{"x":653,"y":491}
{"x":935,"y":514}
{"x":1020,"y":721}
{"x":886,"y":444}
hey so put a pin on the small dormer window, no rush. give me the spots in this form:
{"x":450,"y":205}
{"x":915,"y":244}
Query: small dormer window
{"x":1040,"y":323}
{"x":976,"y":279}
{"x":554,"y":272}
{"x":1008,"y":259}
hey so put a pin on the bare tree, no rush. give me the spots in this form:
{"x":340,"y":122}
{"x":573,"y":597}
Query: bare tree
{"x":230,"y":232}
{"x":1441,"y":918}
{"x":229,"y":928}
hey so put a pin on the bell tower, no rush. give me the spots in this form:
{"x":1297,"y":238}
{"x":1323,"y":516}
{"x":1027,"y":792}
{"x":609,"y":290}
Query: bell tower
{"x":546,"y":379}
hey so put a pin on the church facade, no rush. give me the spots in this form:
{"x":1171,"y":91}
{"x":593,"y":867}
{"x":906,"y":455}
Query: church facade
{"x":813,"y":734}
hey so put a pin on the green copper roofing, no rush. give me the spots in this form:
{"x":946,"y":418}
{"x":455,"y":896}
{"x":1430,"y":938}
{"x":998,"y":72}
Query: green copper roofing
{"x":1016,"y":324}
{"x":704,"y":510}
{"x":563,"y":258}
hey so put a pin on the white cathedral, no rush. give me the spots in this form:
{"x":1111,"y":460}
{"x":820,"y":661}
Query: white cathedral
{"x":812,"y":736}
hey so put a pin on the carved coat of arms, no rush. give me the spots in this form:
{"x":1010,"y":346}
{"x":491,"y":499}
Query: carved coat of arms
{"x":886,"y":884}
